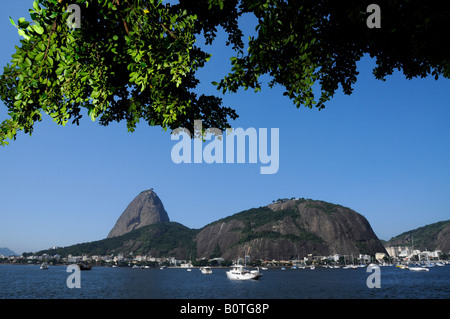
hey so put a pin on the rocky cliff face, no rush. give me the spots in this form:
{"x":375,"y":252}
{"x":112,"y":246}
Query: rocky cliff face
{"x":286,"y":229}
{"x":443,"y":240}
{"x":145,"y":209}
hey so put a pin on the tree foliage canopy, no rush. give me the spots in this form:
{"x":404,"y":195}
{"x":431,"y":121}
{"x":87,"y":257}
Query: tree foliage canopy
{"x":134,"y":60}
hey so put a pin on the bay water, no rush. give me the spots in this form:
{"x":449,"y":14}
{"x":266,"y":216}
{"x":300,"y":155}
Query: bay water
{"x":30,"y":282}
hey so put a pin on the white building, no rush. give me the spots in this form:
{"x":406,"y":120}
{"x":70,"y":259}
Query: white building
{"x":380,"y":256}
{"x":74,"y":259}
{"x":399,"y":251}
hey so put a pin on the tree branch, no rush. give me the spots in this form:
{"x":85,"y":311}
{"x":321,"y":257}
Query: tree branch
{"x":170,"y":32}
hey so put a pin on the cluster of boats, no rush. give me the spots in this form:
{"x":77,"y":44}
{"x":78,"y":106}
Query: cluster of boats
{"x":312,"y":267}
{"x":240,"y":272}
{"x":420,"y":267}
{"x":237,"y":272}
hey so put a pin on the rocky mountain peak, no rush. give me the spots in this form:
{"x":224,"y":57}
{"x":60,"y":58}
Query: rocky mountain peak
{"x":287,"y":228}
{"x":145,"y":209}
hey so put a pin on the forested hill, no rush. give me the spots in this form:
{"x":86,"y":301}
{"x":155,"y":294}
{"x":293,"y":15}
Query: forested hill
{"x":288,"y":229}
{"x":160,"y":239}
{"x":435,"y":236}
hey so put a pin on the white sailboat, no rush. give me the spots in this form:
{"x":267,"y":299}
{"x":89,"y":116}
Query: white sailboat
{"x":428,"y":264}
{"x":44,"y":266}
{"x":190,"y":263}
{"x":206,"y":270}
{"x":419,"y":269}
{"x":239,"y":272}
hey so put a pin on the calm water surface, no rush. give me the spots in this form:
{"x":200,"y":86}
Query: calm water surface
{"x":30,"y":282}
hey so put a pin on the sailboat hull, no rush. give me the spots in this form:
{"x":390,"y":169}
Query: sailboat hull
{"x":238,"y":272}
{"x":244,"y":276}
{"x":418,"y":269}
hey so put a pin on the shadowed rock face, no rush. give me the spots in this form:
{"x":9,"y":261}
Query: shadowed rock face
{"x":443,"y":239}
{"x":145,"y":209}
{"x":285,"y":230}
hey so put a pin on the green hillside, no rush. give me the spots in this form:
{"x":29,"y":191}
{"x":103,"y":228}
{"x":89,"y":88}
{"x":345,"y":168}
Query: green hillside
{"x":161,"y":239}
{"x":425,"y":237}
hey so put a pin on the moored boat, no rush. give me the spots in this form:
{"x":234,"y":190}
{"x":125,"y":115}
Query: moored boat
{"x":206,"y":270}
{"x":239,"y":272}
{"x":84,"y":266}
{"x":402,"y":266}
{"x":418,"y":269}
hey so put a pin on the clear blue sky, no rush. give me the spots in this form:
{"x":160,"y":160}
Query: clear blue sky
{"x":384,"y":151}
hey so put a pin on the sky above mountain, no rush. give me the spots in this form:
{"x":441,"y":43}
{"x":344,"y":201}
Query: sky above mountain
{"x":383,"y":151}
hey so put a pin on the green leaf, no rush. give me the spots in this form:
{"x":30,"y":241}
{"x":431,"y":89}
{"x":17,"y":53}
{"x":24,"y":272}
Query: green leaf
{"x":38,"y":28}
{"x":40,"y":56}
{"x":12,"y":21}
{"x":23,"y":34}
{"x":23,"y":23}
